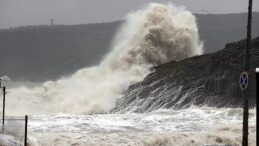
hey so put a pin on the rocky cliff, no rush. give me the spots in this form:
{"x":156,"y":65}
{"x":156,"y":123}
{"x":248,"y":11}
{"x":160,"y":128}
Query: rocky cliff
{"x":210,"y":80}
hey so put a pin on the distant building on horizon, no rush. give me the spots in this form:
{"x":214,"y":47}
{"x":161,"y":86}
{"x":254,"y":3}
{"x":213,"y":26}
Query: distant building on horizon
{"x":52,"y":22}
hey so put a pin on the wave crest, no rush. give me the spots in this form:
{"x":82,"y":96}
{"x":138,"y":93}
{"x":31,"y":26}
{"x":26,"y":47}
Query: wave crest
{"x":153,"y":35}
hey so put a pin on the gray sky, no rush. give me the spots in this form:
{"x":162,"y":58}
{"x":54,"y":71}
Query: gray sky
{"x":34,"y":12}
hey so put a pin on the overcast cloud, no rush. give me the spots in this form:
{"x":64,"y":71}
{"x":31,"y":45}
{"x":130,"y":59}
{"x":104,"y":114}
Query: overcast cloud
{"x":34,"y":12}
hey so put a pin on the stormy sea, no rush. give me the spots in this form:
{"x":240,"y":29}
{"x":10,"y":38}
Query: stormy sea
{"x":154,"y":88}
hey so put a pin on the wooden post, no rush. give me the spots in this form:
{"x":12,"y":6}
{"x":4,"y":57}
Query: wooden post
{"x":25,"y":131}
{"x":4,"y":93}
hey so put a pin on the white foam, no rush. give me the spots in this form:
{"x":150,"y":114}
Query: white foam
{"x":153,"y":35}
{"x":192,"y":126}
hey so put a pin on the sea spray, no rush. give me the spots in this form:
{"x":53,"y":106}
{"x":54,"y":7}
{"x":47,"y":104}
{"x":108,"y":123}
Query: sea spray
{"x":151,"y":36}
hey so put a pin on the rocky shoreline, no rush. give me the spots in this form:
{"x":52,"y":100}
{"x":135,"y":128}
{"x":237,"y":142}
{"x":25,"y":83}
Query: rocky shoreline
{"x":206,"y":80}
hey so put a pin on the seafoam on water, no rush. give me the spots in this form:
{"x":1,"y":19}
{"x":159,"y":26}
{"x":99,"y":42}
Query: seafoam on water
{"x":193,"y":126}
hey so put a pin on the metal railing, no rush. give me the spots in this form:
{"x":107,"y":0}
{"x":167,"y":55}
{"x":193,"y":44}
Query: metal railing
{"x":16,"y":127}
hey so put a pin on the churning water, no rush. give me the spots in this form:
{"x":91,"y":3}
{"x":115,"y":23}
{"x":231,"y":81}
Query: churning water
{"x":151,"y":36}
{"x":189,"y":127}
{"x":75,"y":110}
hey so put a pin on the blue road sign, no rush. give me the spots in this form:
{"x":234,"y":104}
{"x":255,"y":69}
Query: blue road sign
{"x":243,"y":81}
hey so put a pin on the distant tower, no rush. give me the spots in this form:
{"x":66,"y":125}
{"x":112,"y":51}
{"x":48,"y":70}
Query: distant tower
{"x":52,"y":22}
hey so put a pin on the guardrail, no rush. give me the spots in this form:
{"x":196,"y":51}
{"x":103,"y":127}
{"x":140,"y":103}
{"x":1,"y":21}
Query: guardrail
{"x":15,"y":126}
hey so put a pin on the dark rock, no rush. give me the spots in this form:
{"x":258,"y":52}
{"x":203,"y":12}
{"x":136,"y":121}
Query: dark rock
{"x":211,"y":79}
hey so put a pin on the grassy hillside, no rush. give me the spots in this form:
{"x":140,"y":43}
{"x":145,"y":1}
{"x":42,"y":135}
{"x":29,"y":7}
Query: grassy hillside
{"x":218,"y":30}
{"x":38,"y":53}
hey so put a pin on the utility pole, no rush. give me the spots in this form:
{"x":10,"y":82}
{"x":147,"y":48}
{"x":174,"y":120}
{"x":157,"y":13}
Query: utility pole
{"x":257,"y":97}
{"x":246,"y":71}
